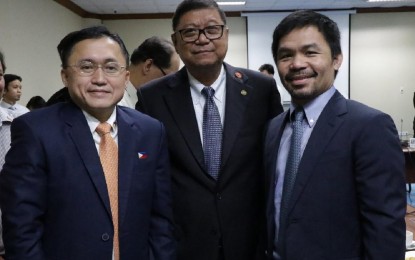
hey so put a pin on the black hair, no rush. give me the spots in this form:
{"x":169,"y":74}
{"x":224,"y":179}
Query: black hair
{"x":158,"y":49}
{"x":36,"y":102}
{"x":190,"y":5}
{"x":2,"y":61}
{"x":9,"y":78}
{"x":95,"y":32}
{"x":267,"y":67}
{"x":304,"y":18}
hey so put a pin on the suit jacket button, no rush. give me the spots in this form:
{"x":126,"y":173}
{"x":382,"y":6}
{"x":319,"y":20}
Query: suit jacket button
{"x":105,"y":237}
{"x":218,"y":196}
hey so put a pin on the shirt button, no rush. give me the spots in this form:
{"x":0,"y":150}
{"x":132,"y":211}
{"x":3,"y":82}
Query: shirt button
{"x":105,"y":237}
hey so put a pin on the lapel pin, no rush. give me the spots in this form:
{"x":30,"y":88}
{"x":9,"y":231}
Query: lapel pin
{"x":142,"y":155}
{"x":243,"y":92}
{"x":238,"y":75}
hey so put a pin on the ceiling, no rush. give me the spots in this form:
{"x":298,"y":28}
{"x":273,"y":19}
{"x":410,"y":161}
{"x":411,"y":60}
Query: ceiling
{"x":133,"y":7}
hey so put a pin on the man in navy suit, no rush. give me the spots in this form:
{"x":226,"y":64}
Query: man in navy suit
{"x":216,"y":216}
{"x":53,"y":190}
{"x":348,"y":195}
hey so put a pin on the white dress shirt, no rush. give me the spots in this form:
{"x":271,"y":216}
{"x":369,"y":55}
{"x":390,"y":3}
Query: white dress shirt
{"x":130,"y":96}
{"x":199,"y":100}
{"x":16,"y":109}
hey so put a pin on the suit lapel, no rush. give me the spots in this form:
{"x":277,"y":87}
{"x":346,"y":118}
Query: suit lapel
{"x":327,"y":125}
{"x":179,"y":102}
{"x":127,"y":133}
{"x":238,"y":94}
{"x":78,"y":130}
{"x":273,"y":140}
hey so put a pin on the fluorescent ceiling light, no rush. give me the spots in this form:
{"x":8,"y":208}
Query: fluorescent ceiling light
{"x":389,"y":0}
{"x":231,"y":3}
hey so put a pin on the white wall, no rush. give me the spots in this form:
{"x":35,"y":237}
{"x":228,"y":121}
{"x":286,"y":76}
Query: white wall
{"x":29,"y":34}
{"x":382,"y":63}
{"x":382,"y":50}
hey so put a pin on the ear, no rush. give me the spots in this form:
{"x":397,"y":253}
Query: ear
{"x":127,"y":77}
{"x":337,"y":61}
{"x":174,"y":40}
{"x":147,"y":66}
{"x":64,"y":76}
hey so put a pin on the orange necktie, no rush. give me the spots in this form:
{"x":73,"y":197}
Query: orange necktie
{"x":108,"y":154}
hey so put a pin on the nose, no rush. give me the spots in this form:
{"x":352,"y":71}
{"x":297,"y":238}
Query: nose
{"x":98,"y":77}
{"x":298,"y":61}
{"x":202,"y":37}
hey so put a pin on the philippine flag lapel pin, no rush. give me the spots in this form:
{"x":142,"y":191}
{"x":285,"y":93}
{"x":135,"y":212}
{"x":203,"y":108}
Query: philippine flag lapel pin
{"x":142,"y":155}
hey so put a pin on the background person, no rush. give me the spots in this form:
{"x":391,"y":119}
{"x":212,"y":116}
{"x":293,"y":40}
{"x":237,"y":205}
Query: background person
{"x":35,"y":103}
{"x":214,"y":142}
{"x":344,"y":197}
{"x":267,"y":69}
{"x":12,"y":94}
{"x":154,"y":58}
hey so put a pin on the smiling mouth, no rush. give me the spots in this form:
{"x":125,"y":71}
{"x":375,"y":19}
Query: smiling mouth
{"x":201,"y":52}
{"x":299,"y":77}
{"x":99,"y":91}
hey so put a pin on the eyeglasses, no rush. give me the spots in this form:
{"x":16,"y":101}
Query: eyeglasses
{"x":162,"y":71}
{"x":211,"y":32}
{"x":88,"y":68}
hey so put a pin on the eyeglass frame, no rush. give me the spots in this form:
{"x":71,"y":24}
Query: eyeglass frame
{"x":96,"y":66}
{"x":162,"y":71}
{"x":200,"y":31}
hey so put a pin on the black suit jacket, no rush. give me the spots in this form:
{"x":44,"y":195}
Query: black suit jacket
{"x":349,"y":197}
{"x":227,"y":214}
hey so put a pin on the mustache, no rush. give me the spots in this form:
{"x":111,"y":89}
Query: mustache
{"x":300,"y":75}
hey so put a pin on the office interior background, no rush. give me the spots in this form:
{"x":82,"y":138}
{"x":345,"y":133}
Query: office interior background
{"x":381,"y":51}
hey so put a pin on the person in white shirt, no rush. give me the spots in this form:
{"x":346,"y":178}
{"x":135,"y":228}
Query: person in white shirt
{"x":12,"y":94}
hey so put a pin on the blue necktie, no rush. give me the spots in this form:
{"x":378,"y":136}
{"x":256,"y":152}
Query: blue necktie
{"x":212,"y":134}
{"x":293,"y":160}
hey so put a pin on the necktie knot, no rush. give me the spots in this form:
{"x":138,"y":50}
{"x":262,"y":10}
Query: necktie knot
{"x":298,"y":114}
{"x":208,"y":92}
{"x":103,"y":128}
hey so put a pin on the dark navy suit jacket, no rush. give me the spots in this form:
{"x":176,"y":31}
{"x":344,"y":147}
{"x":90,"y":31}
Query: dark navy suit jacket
{"x":349,"y":198}
{"x":53,"y":193}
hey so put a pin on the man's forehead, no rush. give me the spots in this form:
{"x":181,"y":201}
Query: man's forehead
{"x":87,"y":50}
{"x":213,"y":15}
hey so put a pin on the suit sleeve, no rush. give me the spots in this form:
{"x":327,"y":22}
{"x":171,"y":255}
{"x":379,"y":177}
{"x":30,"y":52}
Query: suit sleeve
{"x":23,"y":194}
{"x":379,"y":171}
{"x":161,"y":229}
